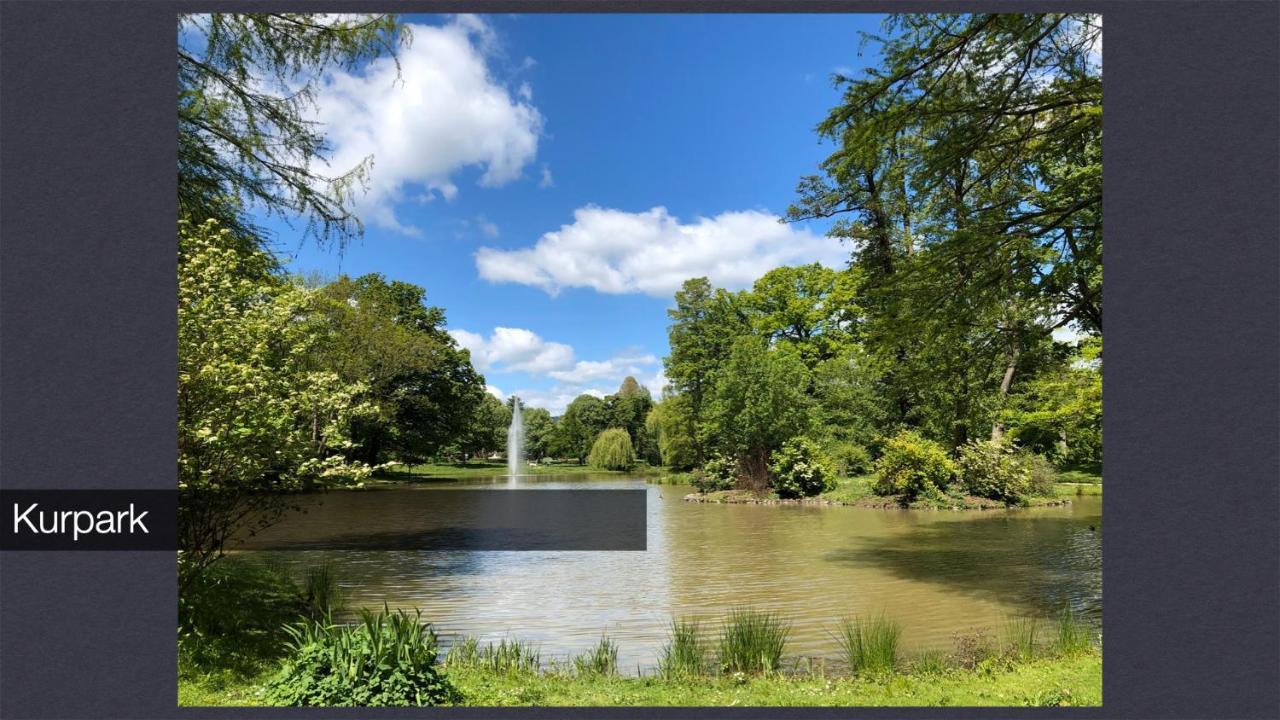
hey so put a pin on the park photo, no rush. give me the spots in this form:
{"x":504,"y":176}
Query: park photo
{"x":640,"y":360}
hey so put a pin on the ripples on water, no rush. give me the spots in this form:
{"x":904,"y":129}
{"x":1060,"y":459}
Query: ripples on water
{"x":936,"y":572}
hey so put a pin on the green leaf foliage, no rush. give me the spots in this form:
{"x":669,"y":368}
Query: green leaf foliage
{"x":612,"y":450}
{"x":913,"y":466}
{"x":385,"y":660}
{"x":801,"y":469}
{"x":995,"y":469}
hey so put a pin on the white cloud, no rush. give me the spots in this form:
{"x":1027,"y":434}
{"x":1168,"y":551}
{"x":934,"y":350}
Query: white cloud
{"x":514,"y":349}
{"x":557,"y":398}
{"x":444,"y":112}
{"x":546,"y":181}
{"x":613,"y":251}
{"x":517,"y":350}
{"x":585,"y":371}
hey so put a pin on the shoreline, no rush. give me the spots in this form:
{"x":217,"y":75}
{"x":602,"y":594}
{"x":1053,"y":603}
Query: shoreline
{"x":744,"y":497}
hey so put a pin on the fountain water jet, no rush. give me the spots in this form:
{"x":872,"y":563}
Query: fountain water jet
{"x":515,"y":440}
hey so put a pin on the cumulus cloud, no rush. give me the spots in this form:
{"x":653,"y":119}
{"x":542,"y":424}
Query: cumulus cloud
{"x":518,"y":350}
{"x":556,"y":399}
{"x":653,"y":252}
{"x":444,"y":112}
{"x":585,"y":371}
{"x":514,"y":349}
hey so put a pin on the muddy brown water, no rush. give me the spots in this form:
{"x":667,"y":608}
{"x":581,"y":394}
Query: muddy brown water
{"x":935,"y":572}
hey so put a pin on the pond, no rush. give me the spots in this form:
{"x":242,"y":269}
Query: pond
{"x":936,"y":572}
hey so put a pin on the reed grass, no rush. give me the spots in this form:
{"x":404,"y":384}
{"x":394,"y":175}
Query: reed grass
{"x":685,"y":654}
{"x":1020,"y":636}
{"x":753,"y":641}
{"x":321,"y":592}
{"x":929,"y":662}
{"x":602,"y":659}
{"x":507,"y":657}
{"x":870,"y":644}
{"x":1073,"y":635}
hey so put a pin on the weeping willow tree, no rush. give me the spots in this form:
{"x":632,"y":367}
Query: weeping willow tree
{"x":612,"y":450}
{"x":246,"y":89}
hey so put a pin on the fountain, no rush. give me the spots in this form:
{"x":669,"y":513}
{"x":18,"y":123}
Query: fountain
{"x":515,"y":440}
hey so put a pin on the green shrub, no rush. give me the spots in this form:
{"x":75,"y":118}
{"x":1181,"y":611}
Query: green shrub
{"x":801,"y":469}
{"x":601,"y":660}
{"x":684,"y":655}
{"x":718,"y":473}
{"x":387,"y":659}
{"x":995,"y":469}
{"x":1044,"y":476}
{"x":612,"y":450}
{"x":870,"y":645}
{"x":913,"y":466}
{"x":752,"y":641}
{"x":851,"y":459}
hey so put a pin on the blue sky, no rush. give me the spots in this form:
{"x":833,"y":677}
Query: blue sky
{"x":550,"y":179}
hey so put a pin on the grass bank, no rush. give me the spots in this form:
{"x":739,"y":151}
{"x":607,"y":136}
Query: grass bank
{"x":857,"y":492}
{"x":1059,"y":681}
{"x":496,"y":469}
{"x":1073,"y":680}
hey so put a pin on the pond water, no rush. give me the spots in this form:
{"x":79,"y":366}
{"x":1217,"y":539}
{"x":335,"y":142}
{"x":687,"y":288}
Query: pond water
{"x":936,"y":572}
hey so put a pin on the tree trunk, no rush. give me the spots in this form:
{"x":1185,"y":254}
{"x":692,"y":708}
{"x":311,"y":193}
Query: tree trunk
{"x":997,"y":427}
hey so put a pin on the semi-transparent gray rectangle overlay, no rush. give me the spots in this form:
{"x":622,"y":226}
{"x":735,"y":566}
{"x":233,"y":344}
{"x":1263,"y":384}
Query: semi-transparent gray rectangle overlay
{"x":460,"y":519}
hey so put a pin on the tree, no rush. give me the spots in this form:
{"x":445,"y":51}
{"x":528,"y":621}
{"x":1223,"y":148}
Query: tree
{"x":256,"y":419}
{"x":670,"y":424}
{"x":1059,"y":413}
{"x":705,"y":323}
{"x":810,"y":306}
{"x":758,"y":403}
{"x":246,"y":83}
{"x":612,"y":450}
{"x":419,"y":382}
{"x":1022,"y":95}
{"x":582,"y":421}
{"x":538,"y":431}
{"x":486,"y":431}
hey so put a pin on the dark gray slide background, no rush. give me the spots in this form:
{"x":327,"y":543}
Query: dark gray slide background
{"x":88,"y":325}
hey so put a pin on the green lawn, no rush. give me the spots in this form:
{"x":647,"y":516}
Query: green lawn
{"x":1072,"y":680}
{"x":851,"y":489}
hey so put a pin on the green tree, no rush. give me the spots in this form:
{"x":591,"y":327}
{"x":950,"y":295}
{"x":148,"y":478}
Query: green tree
{"x":758,"y":403}
{"x":256,"y":419}
{"x":585,"y":418}
{"x":246,"y":84}
{"x":1020,"y":93}
{"x":419,"y":382}
{"x":612,"y":450}
{"x":670,"y":424}
{"x":704,"y":324}
{"x":538,"y":431}
{"x":1059,"y":413}
{"x":486,"y":431}
{"x":810,"y":306}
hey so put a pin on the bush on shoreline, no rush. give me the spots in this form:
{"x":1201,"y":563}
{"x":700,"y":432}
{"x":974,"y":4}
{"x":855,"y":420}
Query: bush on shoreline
{"x":913,"y":466}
